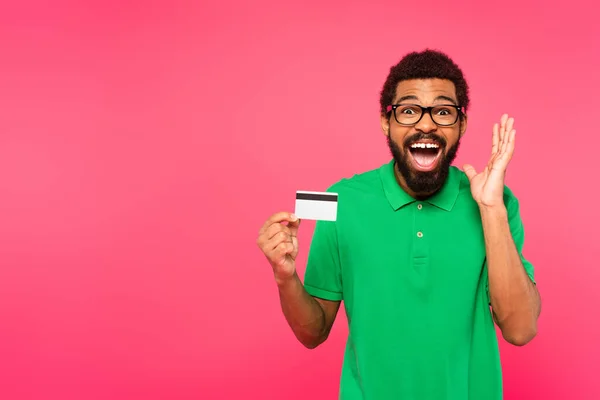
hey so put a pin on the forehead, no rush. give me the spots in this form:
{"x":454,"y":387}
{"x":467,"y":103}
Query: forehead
{"x":426,"y":90}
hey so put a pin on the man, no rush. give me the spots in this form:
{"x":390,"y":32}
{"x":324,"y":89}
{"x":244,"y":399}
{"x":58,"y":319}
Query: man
{"x":419,"y":252}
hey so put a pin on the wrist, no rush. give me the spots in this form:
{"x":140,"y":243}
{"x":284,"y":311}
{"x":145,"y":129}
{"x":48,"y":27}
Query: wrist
{"x":493,"y":212}
{"x":284,"y":281}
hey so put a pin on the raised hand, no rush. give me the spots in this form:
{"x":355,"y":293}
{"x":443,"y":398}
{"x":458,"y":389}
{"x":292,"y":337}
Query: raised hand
{"x":487,"y":186}
{"x":279,"y":243}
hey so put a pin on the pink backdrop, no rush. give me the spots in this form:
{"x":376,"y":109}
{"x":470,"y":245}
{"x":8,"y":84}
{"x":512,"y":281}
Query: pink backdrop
{"x":142,"y":146}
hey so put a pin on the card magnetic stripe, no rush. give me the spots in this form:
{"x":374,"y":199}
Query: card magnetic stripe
{"x":316,"y":197}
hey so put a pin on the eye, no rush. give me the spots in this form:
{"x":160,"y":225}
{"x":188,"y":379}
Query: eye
{"x":409,"y":110}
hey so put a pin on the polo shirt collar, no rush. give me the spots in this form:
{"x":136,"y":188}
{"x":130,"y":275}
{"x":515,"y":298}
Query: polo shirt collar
{"x":397,"y":197}
{"x":393,"y":191}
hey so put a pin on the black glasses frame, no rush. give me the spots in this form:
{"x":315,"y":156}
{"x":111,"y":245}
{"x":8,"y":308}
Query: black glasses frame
{"x":426,"y":110}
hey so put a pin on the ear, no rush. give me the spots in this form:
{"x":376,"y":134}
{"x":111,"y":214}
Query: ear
{"x":385,"y":124}
{"x":463,"y":125}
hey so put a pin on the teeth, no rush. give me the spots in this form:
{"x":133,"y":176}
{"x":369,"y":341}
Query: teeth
{"x":425,"y":145}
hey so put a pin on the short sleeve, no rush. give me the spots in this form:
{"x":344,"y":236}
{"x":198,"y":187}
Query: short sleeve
{"x":518,"y":234}
{"x":323,"y":278}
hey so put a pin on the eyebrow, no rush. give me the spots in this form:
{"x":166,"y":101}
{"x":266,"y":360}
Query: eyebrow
{"x":413,"y":97}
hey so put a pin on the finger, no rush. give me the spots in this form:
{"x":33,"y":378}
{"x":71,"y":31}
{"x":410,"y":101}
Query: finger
{"x":278,"y":254}
{"x":495,"y":140}
{"x":511,"y":142}
{"x":293,"y":227}
{"x":502,"y":132}
{"x":510,"y":146}
{"x":267,"y":234}
{"x":506,"y":137}
{"x":276,"y":240}
{"x":469,"y":171}
{"x":503,"y":120}
{"x":510,"y":124}
{"x":275,"y":229}
{"x":277,"y":218}
{"x":508,"y":128}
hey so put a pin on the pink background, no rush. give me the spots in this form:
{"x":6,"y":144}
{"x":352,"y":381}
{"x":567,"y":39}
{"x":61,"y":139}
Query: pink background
{"x":143,"y":145}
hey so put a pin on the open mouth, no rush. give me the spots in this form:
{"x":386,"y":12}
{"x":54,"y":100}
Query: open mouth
{"x":425,"y":155}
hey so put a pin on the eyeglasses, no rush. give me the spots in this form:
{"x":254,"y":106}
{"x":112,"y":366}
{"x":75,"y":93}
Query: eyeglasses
{"x":411,"y":114}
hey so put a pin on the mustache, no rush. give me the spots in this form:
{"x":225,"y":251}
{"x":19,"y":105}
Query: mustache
{"x":424,"y":136}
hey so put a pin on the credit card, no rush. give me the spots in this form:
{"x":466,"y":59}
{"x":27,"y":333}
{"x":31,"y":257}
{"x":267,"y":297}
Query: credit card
{"x":318,"y":206}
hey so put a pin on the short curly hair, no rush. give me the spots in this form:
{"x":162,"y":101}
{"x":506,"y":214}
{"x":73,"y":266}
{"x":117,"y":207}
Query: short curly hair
{"x":424,"y":65}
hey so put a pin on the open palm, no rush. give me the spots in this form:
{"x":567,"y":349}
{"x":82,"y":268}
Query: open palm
{"x":487,"y":186}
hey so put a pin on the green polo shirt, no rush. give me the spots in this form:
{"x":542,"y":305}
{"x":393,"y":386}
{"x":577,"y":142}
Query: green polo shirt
{"x":413,"y":278}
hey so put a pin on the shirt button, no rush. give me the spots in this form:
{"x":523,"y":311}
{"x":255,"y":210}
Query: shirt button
{"x":420,"y":206}
{"x":420,"y":234}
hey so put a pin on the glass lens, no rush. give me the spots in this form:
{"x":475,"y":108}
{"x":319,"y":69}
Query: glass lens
{"x":408,"y":114}
{"x":444,"y":115}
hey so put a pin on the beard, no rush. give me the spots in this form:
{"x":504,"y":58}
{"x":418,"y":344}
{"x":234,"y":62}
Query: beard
{"x":421,"y":183}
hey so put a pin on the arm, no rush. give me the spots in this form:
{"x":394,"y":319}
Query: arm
{"x":514,"y":297}
{"x":309,"y":317}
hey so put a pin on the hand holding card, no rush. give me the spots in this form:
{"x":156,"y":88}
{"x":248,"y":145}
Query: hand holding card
{"x":278,"y":240}
{"x":316,"y":205}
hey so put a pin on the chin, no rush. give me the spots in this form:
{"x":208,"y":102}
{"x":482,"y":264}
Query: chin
{"x":420,"y":154}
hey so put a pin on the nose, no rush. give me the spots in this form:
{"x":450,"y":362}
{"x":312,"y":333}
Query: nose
{"x":426,"y":124}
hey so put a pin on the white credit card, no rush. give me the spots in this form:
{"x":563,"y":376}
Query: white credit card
{"x":320,"y":206}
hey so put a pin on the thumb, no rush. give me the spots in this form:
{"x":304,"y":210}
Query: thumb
{"x":469,"y":171}
{"x":294,"y":224}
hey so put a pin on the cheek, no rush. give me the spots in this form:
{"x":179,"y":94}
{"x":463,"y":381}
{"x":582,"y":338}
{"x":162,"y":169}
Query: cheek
{"x":398,"y":135}
{"x":452,"y":136}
